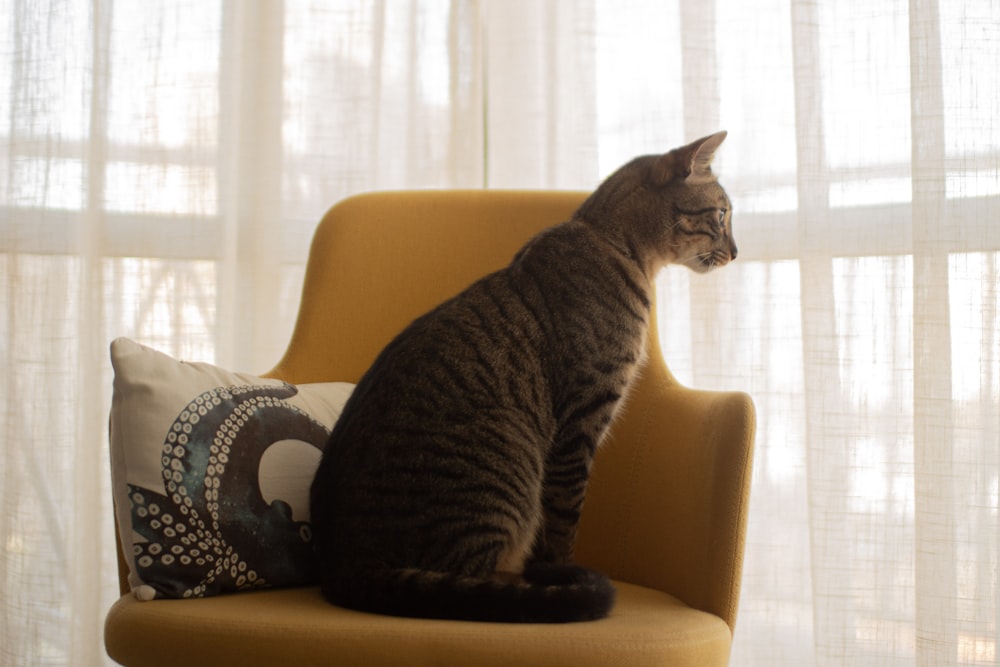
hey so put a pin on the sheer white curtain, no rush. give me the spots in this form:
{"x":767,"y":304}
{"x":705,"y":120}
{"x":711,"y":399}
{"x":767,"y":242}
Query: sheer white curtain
{"x":164,"y":163}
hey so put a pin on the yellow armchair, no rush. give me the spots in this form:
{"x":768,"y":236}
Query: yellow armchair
{"x":665,"y":514}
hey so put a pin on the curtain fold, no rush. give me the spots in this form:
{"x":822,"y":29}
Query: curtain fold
{"x":165,"y":162}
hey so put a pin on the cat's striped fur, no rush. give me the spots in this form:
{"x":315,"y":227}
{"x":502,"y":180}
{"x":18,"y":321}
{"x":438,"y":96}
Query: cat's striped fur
{"x":452,"y":484}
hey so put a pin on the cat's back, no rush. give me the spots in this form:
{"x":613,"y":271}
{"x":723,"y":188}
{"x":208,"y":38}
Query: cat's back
{"x":518,"y":320}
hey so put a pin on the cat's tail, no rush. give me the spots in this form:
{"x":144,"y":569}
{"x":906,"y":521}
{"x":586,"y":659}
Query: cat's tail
{"x":545,"y":594}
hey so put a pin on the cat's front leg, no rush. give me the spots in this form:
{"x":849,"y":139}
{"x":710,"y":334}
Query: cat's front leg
{"x":566,"y":473}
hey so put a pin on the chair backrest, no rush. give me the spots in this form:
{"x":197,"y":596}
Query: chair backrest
{"x":379,"y":260}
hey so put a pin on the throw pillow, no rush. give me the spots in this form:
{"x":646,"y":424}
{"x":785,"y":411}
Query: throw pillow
{"x":211,"y":472}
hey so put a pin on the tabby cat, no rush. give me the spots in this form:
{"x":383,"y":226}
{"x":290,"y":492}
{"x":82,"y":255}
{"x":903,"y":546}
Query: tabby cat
{"x":452,"y":483}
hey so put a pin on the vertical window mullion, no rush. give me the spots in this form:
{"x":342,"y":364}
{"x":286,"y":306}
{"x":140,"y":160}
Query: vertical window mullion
{"x":827,"y":458}
{"x":249,"y":162}
{"x":935,"y":552}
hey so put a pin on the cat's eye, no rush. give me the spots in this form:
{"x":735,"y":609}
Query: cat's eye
{"x":722,"y":216}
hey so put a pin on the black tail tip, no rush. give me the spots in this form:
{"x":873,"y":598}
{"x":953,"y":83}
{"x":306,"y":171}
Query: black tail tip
{"x":588,"y":595}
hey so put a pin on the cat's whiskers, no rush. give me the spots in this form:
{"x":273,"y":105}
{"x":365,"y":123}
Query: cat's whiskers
{"x":699,"y":256}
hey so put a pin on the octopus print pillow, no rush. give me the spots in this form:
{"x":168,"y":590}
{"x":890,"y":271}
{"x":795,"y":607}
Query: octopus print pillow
{"x":211,"y":472}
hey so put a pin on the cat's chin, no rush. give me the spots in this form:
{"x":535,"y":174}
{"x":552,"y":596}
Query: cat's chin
{"x":706,"y":264}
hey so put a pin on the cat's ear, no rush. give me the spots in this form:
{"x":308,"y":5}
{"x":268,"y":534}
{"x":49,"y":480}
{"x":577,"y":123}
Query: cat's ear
{"x":692,"y":162}
{"x":702,"y":152}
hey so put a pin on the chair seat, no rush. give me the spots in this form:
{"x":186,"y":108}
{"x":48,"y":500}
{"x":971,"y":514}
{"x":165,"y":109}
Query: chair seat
{"x":297,"y":627}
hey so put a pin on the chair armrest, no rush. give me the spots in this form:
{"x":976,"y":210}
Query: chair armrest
{"x":667,"y":502}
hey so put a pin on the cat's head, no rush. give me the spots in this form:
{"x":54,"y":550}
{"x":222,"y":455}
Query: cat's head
{"x":697,"y":228}
{"x":669,"y":208}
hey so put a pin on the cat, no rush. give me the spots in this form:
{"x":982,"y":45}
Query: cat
{"x":452,"y":484}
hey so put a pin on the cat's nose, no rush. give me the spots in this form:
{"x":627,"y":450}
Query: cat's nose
{"x":732,"y":251}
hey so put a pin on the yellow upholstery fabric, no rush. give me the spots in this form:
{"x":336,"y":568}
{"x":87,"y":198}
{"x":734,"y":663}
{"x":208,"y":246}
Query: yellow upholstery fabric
{"x":665,"y":514}
{"x":296,"y":627}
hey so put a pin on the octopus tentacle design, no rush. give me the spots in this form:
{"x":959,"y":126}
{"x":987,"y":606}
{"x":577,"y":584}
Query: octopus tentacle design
{"x":211,"y":530}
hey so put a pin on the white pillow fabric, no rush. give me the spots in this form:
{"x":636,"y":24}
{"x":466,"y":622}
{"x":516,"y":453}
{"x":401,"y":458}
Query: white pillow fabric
{"x":211,"y":472}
